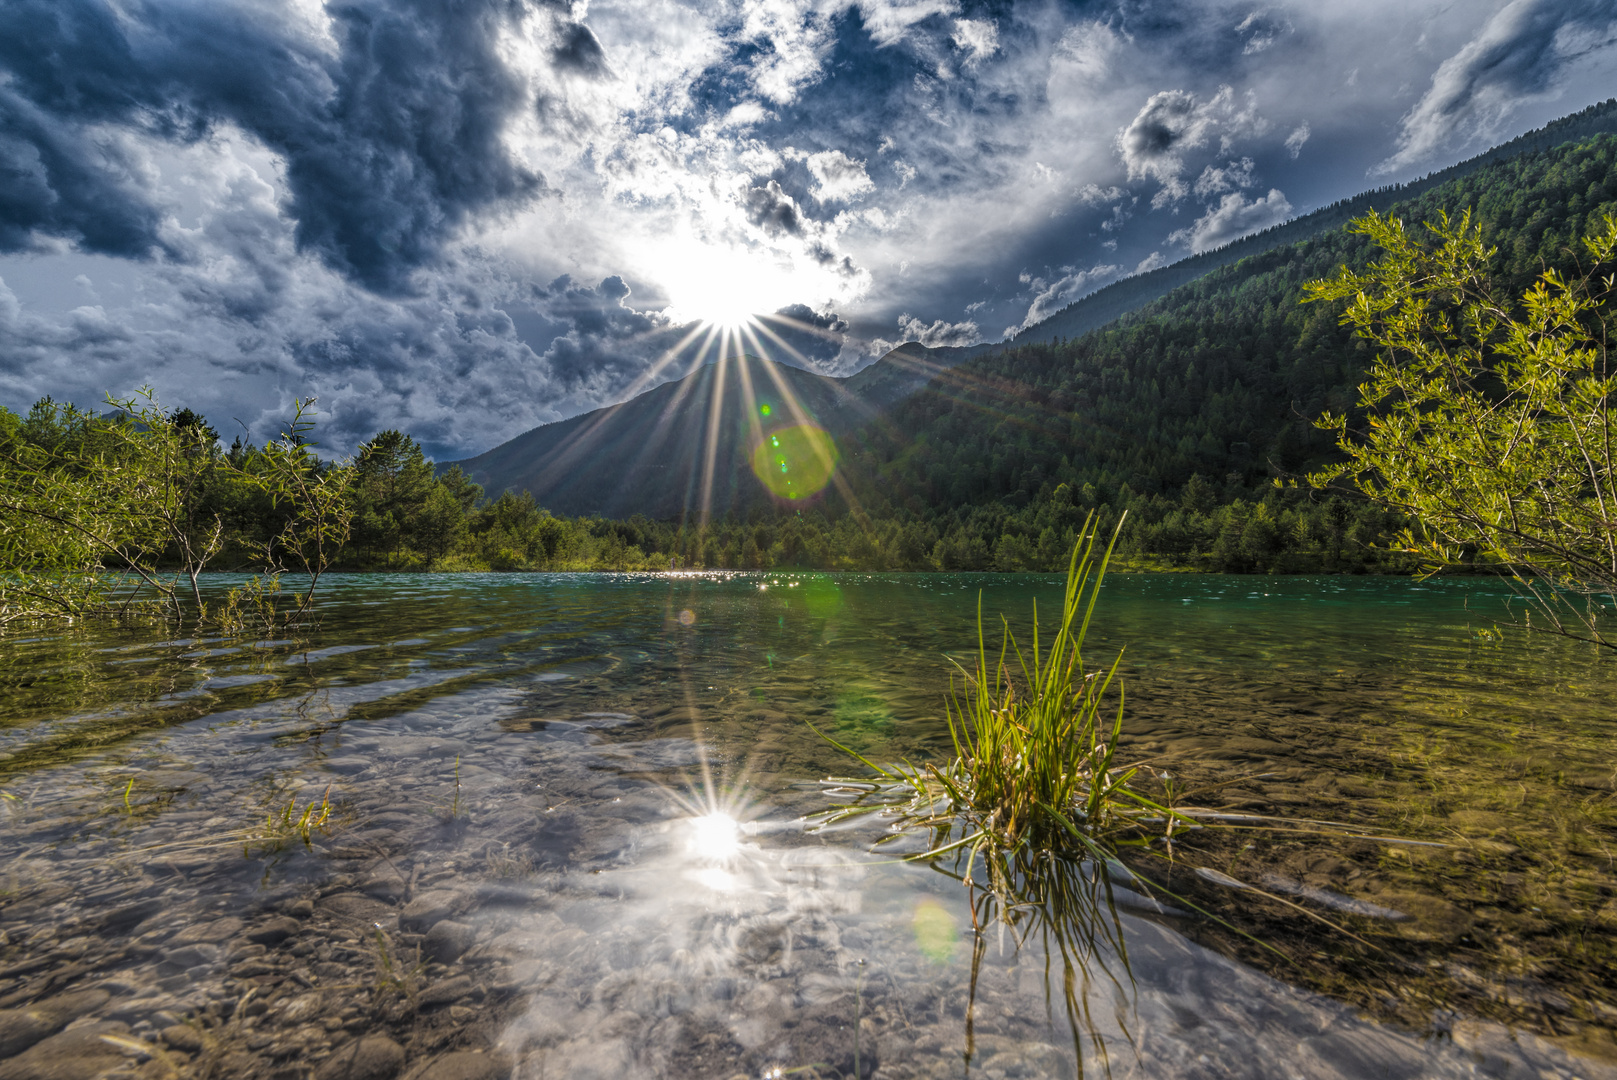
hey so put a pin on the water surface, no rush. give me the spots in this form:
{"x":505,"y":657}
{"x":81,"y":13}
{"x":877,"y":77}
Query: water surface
{"x":528,"y":858}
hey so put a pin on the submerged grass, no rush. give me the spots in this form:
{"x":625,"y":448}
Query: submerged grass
{"x":1035,"y":739}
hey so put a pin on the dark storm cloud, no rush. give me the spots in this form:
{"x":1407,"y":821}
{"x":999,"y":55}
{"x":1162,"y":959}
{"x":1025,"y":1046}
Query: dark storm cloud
{"x":607,"y":342}
{"x":772,"y":210}
{"x":390,"y":144}
{"x":579,"y":51}
{"x":810,"y":336}
{"x":53,"y":182}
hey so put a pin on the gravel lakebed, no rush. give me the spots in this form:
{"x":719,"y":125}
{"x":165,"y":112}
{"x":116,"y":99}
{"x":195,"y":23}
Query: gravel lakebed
{"x":501,"y":894}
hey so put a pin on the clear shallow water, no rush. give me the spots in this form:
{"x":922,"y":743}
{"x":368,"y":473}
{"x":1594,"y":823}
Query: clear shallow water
{"x":523,"y":756}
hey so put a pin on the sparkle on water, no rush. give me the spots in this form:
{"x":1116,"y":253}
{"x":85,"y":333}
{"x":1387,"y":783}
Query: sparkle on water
{"x":715,"y":837}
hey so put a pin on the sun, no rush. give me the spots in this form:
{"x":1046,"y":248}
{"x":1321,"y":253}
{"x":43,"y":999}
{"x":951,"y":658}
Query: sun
{"x":719,"y":285}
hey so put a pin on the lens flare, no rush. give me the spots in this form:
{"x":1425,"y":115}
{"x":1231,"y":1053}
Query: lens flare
{"x":795,"y":462}
{"x":935,"y":931}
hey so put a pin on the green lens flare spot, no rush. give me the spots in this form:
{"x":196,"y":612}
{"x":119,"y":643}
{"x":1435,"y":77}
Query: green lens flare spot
{"x":804,"y":451}
{"x":935,"y":931}
{"x":764,"y":409}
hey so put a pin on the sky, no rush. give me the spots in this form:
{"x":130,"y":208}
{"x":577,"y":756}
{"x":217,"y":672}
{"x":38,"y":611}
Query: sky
{"x":465,"y":218}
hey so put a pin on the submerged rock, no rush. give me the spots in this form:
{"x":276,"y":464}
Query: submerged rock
{"x":463,"y":1065}
{"x":375,"y":1057}
{"x":448,"y":940}
{"x":22,"y":1028}
{"x":428,"y":909}
{"x":275,"y":931}
{"x":208,"y":933}
{"x":79,"y":1053}
{"x":183,"y":1037}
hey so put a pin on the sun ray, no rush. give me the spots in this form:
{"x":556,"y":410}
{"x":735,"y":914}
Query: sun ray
{"x":801,"y":416}
{"x":714,"y":419}
{"x":582,"y":441}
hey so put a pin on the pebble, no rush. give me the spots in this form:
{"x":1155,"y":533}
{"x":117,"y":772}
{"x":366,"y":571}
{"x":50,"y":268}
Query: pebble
{"x":357,"y":907}
{"x":464,"y":1065}
{"x":211,"y":933}
{"x":301,"y":1008}
{"x":301,"y":909}
{"x":375,"y":1057}
{"x":427,"y":909}
{"x":275,"y":931}
{"x":448,"y":940}
{"x":385,"y":884}
{"x":119,"y":920}
{"x":187,"y":957}
{"x":183,"y":1037}
{"x":447,"y":991}
{"x":134,"y":1010}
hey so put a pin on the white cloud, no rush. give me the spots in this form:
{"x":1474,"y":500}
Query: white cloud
{"x":838,"y":178}
{"x":1095,"y":195}
{"x":1150,"y":263}
{"x":1051,"y":296}
{"x":1261,"y":31}
{"x":1153,"y":144}
{"x":1088,"y":52}
{"x":1298,"y":136}
{"x":939,"y":334}
{"x":1231,"y":219}
{"x":1516,"y":57}
{"x":794,"y":40}
{"x":1214,"y":180}
{"x":978,"y":38}
{"x":888,"y":21}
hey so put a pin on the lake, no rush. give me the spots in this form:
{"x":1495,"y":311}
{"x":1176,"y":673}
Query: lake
{"x":570,"y":830}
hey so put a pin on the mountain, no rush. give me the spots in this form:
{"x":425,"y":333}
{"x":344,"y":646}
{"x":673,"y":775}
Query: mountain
{"x":1220,"y":377}
{"x":1132,"y":293}
{"x":649,"y":455}
{"x":1217,"y":376}
{"x":903,"y":371}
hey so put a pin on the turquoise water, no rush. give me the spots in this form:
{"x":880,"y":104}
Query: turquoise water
{"x":555,"y":762}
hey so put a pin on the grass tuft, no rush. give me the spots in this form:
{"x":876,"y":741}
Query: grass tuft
{"x":1035,"y":737}
{"x":284,"y":823}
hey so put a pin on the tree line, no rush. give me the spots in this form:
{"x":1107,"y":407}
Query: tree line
{"x":140,"y":491}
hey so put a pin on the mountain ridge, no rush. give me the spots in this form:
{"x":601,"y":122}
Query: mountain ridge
{"x":640,"y":456}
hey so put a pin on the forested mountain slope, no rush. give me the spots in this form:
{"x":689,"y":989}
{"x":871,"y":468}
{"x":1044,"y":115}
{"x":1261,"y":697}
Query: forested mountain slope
{"x":1221,"y":377}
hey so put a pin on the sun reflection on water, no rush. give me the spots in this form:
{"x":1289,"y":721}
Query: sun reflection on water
{"x":715,"y":837}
